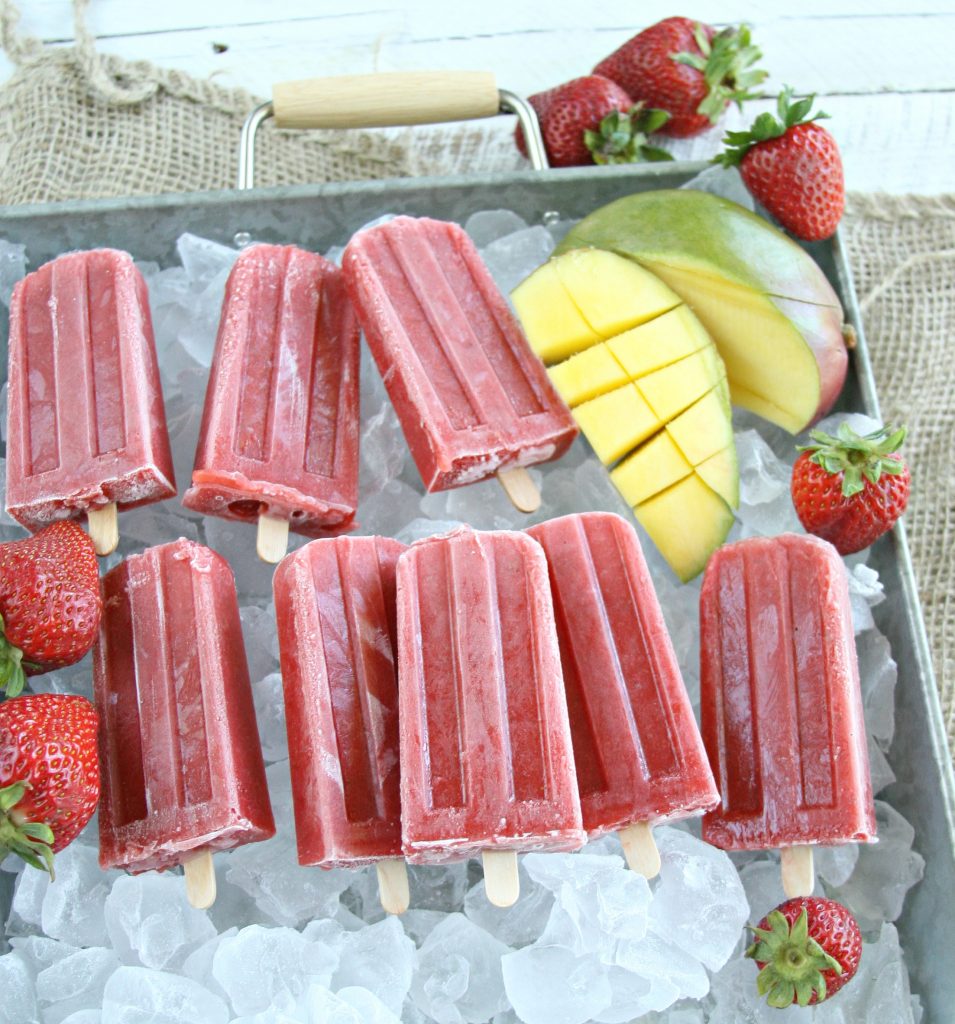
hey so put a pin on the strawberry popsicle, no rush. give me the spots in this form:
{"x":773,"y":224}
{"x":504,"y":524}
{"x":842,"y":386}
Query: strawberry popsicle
{"x":487,"y":764}
{"x":279,"y":438}
{"x":781,"y":704}
{"x":637,"y":748}
{"x":335,"y":607}
{"x":472,"y":398}
{"x":87,"y":427}
{"x":182,"y":769}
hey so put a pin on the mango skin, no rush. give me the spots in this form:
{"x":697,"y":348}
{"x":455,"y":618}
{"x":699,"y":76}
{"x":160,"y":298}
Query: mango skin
{"x":703,"y":234}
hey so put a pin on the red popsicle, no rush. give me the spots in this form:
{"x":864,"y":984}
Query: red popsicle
{"x":278,"y":443}
{"x":637,"y":748}
{"x":335,"y":608}
{"x":472,"y":398}
{"x":87,"y":423}
{"x":487,"y":764}
{"x":182,"y":769}
{"x":781,"y":704}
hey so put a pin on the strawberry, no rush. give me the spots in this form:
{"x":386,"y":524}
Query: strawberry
{"x":591,"y":120}
{"x":50,"y":602}
{"x":688,"y":69}
{"x":806,"y":950}
{"x":792,"y":166}
{"x":850,"y":489}
{"x":49,"y":773}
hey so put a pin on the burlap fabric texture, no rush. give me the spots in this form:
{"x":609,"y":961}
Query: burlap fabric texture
{"x":77,"y":124}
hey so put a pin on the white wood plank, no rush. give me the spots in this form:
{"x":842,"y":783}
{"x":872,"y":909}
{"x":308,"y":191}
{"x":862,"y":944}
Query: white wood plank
{"x":52,"y":20}
{"x":851,"y":55}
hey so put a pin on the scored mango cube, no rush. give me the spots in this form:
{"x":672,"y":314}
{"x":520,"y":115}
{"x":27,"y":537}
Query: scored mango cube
{"x":703,"y":429}
{"x":587,"y":374}
{"x":552,"y":322}
{"x":654,"y":466}
{"x":657,"y":343}
{"x":616,"y":422}
{"x":671,"y":390}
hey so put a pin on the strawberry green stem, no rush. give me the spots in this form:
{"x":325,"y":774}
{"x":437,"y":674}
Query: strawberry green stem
{"x":859,"y":457}
{"x":12,"y":676}
{"x":767,"y":127}
{"x":622,"y":136}
{"x":31,"y":840}
{"x":726,"y":64}
{"x":793,"y":963}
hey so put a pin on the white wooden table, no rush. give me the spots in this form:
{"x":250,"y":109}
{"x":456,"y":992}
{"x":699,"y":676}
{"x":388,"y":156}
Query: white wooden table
{"x":883,"y":69}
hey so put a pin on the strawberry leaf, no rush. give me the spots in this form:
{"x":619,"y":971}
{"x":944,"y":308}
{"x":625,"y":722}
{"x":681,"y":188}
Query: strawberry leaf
{"x":622,"y":136}
{"x":726,"y":63}
{"x":858,"y":457}
{"x":766,"y":127}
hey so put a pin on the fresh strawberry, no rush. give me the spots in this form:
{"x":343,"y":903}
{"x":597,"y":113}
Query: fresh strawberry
{"x":806,"y":950}
{"x":792,"y":166}
{"x":49,"y":773}
{"x":850,"y":489}
{"x":591,"y":120}
{"x":50,"y":602}
{"x":688,"y":69}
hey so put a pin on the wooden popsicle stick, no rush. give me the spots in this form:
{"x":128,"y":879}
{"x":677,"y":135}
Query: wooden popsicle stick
{"x":272,"y":540}
{"x":501,"y":881}
{"x":393,"y":885}
{"x":640,"y":849}
{"x":103,"y":526}
{"x":200,"y":880}
{"x":799,"y":878}
{"x":520,"y":489}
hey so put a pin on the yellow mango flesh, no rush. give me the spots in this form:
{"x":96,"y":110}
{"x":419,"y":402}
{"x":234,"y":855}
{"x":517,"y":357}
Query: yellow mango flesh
{"x":687,"y":522}
{"x":669,"y":391}
{"x":703,"y":429}
{"x":612,"y":293}
{"x":659,"y":342}
{"x":653,"y":467}
{"x":587,"y":374}
{"x":552,"y":322}
{"x":616,"y":422}
{"x":721,"y":473}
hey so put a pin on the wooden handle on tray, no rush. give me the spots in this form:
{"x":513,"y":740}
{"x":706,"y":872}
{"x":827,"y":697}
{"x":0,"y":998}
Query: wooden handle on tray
{"x":389,"y":98}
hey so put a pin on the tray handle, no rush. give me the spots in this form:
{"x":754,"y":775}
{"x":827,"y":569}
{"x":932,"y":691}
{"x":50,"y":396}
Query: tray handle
{"x":388,"y":98}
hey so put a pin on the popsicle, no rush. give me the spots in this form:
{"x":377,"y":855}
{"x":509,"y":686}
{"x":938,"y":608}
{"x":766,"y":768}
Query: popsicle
{"x":781,"y":705}
{"x":472,"y":398}
{"x":87,"y":427}
{"x":335,"y":608}
{"x":278,"y":444}
{"x":487,"y":764}
{"x":639,"y":756}
{"x":182,"y":769}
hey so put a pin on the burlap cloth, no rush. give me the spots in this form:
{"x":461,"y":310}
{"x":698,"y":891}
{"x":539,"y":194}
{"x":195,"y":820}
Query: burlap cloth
{"x":77,"y":124}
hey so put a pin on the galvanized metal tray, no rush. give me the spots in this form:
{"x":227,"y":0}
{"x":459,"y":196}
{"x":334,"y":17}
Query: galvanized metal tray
{"x":318,"y":217}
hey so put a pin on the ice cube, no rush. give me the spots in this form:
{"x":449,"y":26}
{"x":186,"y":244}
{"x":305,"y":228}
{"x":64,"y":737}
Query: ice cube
{"x":734,"y":999}
{"x":549,"y":984}
{"x":383,"y":451}
{"x":203,"y":259}
{"x":259,"y":636}
{"x":878,"y":992}
{"x":19,"y":995}
{"x":235,"y":541}
{"x":198,"y":965}
{"x":75,"y":983}
{"x":764,"y":887}
{"x":270,"y":714}
{"x":879,"y":768}
{"x":487,"y":226}
{"x":26,"y":907}
{"x":259,"y":964}
{"x":320,"y":1004}
{"x":13,"y":267}
{"x":379,"y":958}
{"x":458,"y":973}
{"x":865,"y":592}
{"x":150,"y":921}
{"x":878,"y":674}
{"x":419,"y":924}
{"x":699,"y":903}
{"x":517,"y":925}
{"x":370,"y":1009}
{"x":138,"y":995}
{"x":762,"y":476}
{"x":835,"y":864}
{"x":438,"y":886}
{"x":512,"y":257}
{"x":73,"y":904}
{"x":269,"y":871}
{"x":388,"y":511}
{"x":84,"y":1017}
{"x":38,"y":952}
{"x":885,"y":871}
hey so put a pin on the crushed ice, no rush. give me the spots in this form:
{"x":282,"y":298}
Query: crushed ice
{"x":587,"y":941}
